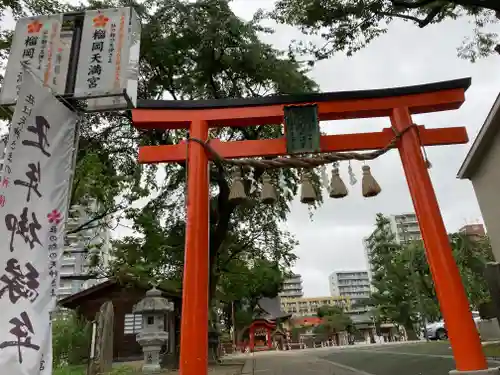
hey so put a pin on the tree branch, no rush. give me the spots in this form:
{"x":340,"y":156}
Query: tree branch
{"x":485,"y":4}
{"x":94,"y":219}
{"x":421,"y":22}
{"x":411,"y":4}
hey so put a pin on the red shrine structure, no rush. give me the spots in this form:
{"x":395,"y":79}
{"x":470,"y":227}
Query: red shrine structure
{"x":397,"y":104}
{"x":265,"y":325}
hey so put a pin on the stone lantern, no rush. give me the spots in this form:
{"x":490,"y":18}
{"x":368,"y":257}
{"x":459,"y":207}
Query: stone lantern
{"x":153,"y":335}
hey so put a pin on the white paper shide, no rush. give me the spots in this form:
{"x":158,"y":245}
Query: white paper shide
{"x":34,"y":187}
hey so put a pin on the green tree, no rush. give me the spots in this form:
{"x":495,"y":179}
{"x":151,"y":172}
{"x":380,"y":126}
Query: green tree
{"x":403,"y":282}
{"x":348,"y":26}
{"x":395,"y":295}
{"x":70,"y":340}
{"x":334,"y":321}
{"x":189,"y":51}
{"x":241,"y":285}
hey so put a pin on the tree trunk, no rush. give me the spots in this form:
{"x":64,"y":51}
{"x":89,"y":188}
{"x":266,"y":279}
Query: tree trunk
{"x":410,"y":331}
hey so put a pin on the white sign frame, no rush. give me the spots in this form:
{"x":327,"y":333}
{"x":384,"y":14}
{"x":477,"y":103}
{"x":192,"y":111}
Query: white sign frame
{"x":120,"y":89}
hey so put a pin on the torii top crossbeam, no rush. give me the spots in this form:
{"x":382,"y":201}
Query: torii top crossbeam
{"x":177,"y":114}
{"x":396,"y":103}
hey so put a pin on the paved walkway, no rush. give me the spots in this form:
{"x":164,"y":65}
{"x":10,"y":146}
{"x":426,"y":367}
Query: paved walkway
{"x":410,"y":359}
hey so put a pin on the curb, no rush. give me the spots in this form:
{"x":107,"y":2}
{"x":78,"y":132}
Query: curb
{"x":247,"y":368}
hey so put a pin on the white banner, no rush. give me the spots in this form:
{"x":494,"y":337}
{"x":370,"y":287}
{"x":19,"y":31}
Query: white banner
{"x":34,"y":188}
{"x":33,"y":44}
{"x":109,"y":57}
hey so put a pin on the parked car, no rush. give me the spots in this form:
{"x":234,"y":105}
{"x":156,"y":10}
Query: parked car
{"x":437,"y":330}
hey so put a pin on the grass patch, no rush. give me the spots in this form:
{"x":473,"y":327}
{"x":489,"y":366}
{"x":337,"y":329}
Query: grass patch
{"x":82,"y":370}
{"x":70,"y":370}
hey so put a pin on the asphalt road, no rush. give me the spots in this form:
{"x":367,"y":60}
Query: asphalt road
{"x":407,"y":359}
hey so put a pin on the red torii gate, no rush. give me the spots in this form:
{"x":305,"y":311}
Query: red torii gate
{"x":397,"y":103}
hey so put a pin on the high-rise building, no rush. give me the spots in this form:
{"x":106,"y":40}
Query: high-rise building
{"x":292,"y":287}
{"x":354,"y":285}
{"x":80,"y":248}
{"x":405,"y":227}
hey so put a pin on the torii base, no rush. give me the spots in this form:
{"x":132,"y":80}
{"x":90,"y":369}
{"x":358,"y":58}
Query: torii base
{"x":488,"y":371}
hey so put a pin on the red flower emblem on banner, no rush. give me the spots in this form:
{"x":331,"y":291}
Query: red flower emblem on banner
{"x":100,"y":21}
{"x":54,"y":217}
{"x":5,"y":182}
{"x":35,"y":27}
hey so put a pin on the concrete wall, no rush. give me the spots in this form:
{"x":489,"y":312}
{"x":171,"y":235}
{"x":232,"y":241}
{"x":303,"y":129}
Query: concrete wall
{"x":489,"y":330}
{"x":486,"y":182}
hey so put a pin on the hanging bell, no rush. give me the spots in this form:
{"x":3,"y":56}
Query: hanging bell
{"x":308,"y":193}
{"x":337,"y":186}
{"x":268,"y":193}
{"x":237,"y":194}
{"x":369,"y":185}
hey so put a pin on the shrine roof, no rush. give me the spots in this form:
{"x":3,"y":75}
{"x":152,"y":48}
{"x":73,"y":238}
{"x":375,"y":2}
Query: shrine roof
{"x":462,"y":83}
{"x":270,"y":309}
{"x":108,"y":286}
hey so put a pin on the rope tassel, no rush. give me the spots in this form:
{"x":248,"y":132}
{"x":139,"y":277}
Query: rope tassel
{"x":369,"y":185}
{"x":237,"y":194}
{"x":268,"y":193}
{"x":337,"y":186}
{"x":308,"y":193}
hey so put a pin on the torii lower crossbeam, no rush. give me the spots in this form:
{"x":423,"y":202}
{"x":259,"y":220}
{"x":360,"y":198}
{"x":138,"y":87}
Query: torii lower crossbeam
{"x":398,"y":104}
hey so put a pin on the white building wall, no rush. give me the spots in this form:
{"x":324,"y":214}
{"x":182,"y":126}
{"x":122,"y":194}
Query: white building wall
{"x":79,"y":248}
{"x":486,"y":183}
{"x":353,"y":284}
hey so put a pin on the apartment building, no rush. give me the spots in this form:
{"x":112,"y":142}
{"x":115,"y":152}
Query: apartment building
{"x":354,"y":285}
{"x":79,"y":248}
{"x":292,"y":287}
{"x":473,"y":231}
{"x":405,"y":227}
{"x":309,"y":306}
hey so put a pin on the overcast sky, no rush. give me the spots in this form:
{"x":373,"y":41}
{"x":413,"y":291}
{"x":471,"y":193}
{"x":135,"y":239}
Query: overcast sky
{"x":406,"y":55}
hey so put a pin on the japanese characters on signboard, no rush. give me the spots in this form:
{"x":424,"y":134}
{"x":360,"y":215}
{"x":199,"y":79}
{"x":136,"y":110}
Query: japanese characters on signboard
{"x":62,"y":51}
{"x":33,"y":45}
{"x":109,"y":55}
{"x":34,"y":188}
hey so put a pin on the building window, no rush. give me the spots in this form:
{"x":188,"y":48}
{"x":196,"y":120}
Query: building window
{"x":133,"y":324}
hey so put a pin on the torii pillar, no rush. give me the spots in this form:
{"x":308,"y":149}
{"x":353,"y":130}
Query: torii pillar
{"x":398,"y":104}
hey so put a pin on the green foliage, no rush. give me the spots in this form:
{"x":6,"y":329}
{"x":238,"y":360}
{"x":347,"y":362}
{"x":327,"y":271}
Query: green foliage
{"x":296,"y":332}
{"x":348,"y":26}
{"x":70,"y":370}
{"x":70,"y":340}
{"x":403,"y":282}
{"x":243,"y":284}
{"x":201,"y":50}
{"x":82,"y":370}
{"x":334,"y":320}
{"x":189,"y":51}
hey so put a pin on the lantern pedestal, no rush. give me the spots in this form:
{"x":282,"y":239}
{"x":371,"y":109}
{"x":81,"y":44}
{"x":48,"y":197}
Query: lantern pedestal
{"x":153,"y":336}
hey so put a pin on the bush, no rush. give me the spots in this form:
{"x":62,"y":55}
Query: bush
{"x":70,"y":340}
